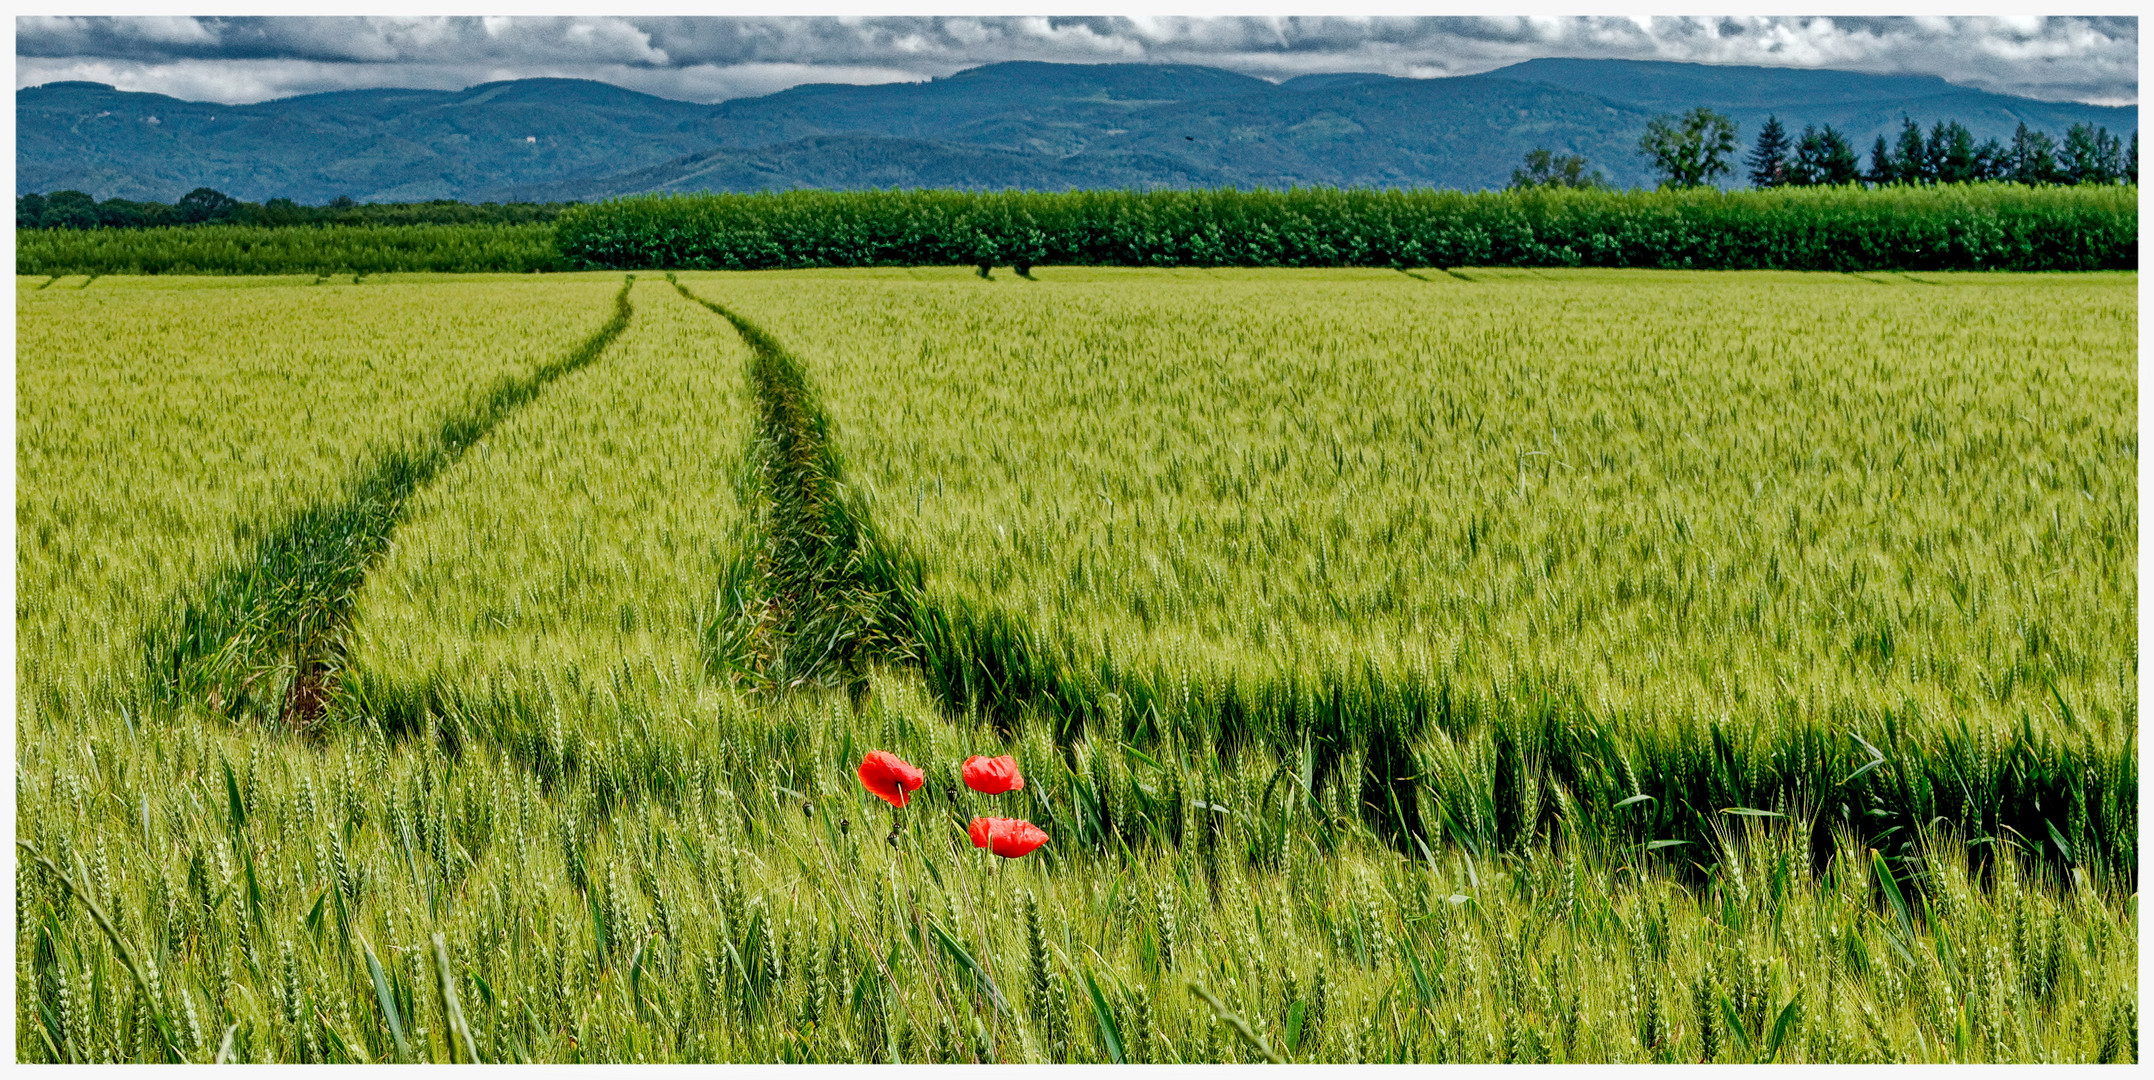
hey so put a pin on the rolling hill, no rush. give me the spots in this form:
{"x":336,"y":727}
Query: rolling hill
{"x":1027,"y":125}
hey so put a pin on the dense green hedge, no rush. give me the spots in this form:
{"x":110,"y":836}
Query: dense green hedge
{"x":256,"y":249}
{"x":1953,"y":227}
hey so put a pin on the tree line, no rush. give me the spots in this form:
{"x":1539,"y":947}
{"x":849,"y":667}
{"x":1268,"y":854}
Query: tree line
{"x":203,"y":206}
{"x":1697,"y":148}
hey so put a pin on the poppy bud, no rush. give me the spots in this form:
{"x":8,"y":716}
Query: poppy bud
{"x":889,"y":777}
{"x":993,"y":776}
{"x":1007,"y":837}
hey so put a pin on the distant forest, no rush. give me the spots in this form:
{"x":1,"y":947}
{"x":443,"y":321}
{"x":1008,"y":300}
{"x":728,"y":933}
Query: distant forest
{"x":1948,"y":155}
{"x":204,"y":206}
{"x":1695,"y":149}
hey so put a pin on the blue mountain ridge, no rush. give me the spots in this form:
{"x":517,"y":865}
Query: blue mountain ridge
{"x":1026,"y":125}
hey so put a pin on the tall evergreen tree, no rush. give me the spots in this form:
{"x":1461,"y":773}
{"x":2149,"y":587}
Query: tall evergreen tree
{"x":2032,"y":158}
{"x":1835,"y":159}
{"x":2131,"y":162}
{"x":1883,"y":170}
{"x":1801,"y":170}
{"x":2091,"y":156}
{"x":2112,"y":156}
{"x":1769,"y":159}
{"x":1952,"y":153}
{"x":1911,"y":155}
{"x":1992,"y":160}
{"x":1824,"y":157}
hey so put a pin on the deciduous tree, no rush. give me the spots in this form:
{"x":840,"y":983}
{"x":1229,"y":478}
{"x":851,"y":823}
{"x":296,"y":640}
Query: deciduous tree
{"x":1547,"y":169}
{"x":1690,"y":150}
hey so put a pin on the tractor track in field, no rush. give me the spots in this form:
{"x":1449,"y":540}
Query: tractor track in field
{"x":1418,"y":276}
{"x":810,"y":610}
{"x":263,"y":637}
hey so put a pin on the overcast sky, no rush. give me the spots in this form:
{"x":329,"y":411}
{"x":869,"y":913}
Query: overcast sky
{"x":711,"y":59}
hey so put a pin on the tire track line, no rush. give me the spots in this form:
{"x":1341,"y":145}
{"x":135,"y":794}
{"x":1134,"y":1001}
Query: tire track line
{"x":263,"y":637}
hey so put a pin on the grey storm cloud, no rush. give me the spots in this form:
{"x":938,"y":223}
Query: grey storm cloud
{"x":709,"y":59}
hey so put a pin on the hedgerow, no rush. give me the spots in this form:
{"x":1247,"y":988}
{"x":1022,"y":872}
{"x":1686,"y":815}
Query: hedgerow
{"x":1948,"y":227}
{"x":1951,"y":227}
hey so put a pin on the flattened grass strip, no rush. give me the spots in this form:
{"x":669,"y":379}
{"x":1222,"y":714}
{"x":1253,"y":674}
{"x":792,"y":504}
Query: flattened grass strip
{"x":821,"y":617}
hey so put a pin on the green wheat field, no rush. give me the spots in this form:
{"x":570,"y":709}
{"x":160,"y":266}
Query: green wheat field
{"x":1405,"y":665}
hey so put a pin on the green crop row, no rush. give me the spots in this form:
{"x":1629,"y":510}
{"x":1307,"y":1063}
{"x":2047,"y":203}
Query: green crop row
{"x":1953,"y":227}
{"x":262,"y":249}
{"x":1986,"y":226}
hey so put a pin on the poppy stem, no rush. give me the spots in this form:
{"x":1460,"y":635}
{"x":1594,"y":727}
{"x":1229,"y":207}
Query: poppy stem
{"x":987,"y":933}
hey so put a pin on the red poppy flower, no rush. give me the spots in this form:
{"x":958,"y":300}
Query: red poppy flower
{"x":1007,"y":837}
{"x":993,"y":776}
{"x":889,"y":777}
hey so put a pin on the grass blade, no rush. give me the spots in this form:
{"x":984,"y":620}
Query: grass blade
{"x":1894,"y":897}
{"x":964,"y":960}
{"x":1108,"y":1032}
{"x":1735,"y":1021}
{"x":1241,"y":1027}
{"x":1789,"y":1017}
{"x":387,"y":999}
{"x":459,"y":1030}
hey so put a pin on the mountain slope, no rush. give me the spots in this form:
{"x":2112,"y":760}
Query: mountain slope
{"x":1030,"y":125}
{"x":873,"y":161}
{"x":1387,"y":133}
{"x":1021,"y":106}
{"x":1372,"y":131}
{"x":372,"y":145}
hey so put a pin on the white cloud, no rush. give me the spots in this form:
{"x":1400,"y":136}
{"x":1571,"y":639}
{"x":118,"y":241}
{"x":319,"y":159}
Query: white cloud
{"x":244,"y":81}
{"x":2086,"y":59}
